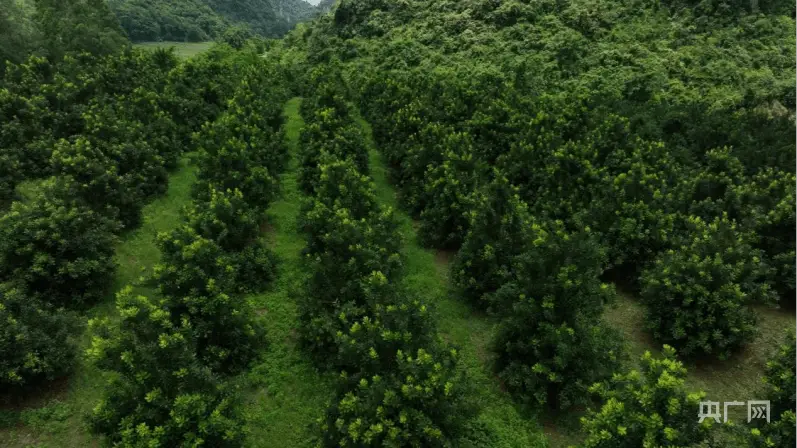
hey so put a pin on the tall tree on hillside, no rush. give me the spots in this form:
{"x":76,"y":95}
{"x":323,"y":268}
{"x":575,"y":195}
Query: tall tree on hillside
{"x":77,"y":25}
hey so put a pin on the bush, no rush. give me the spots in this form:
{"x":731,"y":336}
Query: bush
{"x":159,"y":394}
{"x":449,"y":188}
{"x":697,"y":296}
{"x":367,"y":336}
{"x":498,"y":231}
{"x":332,"y":135}
{"x":91,"y":175}
{"x":59,"y":250}
{"x":780,"y":378}
{"x":551,"y":344}
{"x":37,"y":342}
{"x":232,"y":167}
{"x":421,"y":403}
{"x":226,"y":219}
{"x":648,"y":408}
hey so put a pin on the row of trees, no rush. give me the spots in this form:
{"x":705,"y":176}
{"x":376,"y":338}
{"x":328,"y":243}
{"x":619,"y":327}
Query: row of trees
{"x":173,"y":358}
{"x":399,"y":384}
{"x":547,"y":180}
{"x":86,"y":142}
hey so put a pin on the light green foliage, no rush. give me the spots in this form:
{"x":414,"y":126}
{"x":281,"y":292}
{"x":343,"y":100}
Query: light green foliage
{"x":58,"y":249}
{"x":551,"y":344}
{"x":696,"y":296}
{"x":160,"y":393}
{"x":646,"y":407}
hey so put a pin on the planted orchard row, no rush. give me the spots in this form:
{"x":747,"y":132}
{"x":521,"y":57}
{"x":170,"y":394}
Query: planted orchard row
{"x":542,"y":198}
{"x":94,"y":138}
{"x":173,"y":357}
{"x":399,"y":385}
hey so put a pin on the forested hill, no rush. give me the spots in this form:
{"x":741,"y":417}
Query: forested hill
{"x":201,"y":20}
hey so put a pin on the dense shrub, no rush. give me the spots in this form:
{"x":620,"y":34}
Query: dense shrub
{"x":226,"y":219}
{"x":232,"y":166}
{"x":160,"y":394}
{"x":331,"y":136}
{"x":92,"y":175}
{"x":449,"y":188}
{"x":551,"y":343}
{"x":420,"y":403}
{"x":769,"y":209}
{"x":58,"y":249}
{"x":192,"y":265}
{"x":498,"y":231}
{"x":697,"y":296}
{"x":647,"y":408}
{"x":37,"y":342}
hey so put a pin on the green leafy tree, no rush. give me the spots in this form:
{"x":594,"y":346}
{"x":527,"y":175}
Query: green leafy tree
{"x":551,"y":344}
{"x":160,"y":394}
{"x":697,"y":296}
{"x":646,"y":408}
{"x":420,"y":403}
{"x":58,"y":249}
{"x":37,"y":342}
{"x":498,"y":231}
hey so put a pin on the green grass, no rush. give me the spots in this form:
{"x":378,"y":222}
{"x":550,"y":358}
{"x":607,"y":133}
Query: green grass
{"x":427,"y":277}
{"x":183,"y":49}
{"x":291,"y":393}
{"x":54,"y":417}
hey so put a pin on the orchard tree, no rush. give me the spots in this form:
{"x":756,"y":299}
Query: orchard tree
{"x":646,"y":408}
{"x":697,"y":296}
{"x":420,"y":403}
{"x":551,"y":344}
{"x":37,"y":341}
{"x":159,"y":394}
{"x":498,"y":231}
{"x":60,"y":250}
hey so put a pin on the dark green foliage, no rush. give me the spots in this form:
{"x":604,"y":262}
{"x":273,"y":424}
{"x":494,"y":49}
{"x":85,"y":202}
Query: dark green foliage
{"x":448,"y":190}
{"x":779,"y":377}
{"x":37,"y":342}
{"x":329,"y":134}
{"x":77,"y":25}
{"x":551,"y":343}
{"x":226,"y":219}
{"x":232,"y":166}
{"x":237,"y":36}
{"x":498,"y":231}
{"x":60,"y":250}
{"x":697,"y":296}
{"x":419,"y":403}
{"x":770,"y":212}
{"x":160,"y":393}
{"x":647,"y":407}
{"x":203,"y":20}
{"x":90,"y":174}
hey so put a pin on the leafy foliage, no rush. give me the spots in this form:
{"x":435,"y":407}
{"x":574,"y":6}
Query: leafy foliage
{"x":696,"y":296}
{"x":551,"y":345}
{"x":58,"y":249}
{"x":36,"y":341}
{"x":647,"y":407}
{"x":161,"y":394}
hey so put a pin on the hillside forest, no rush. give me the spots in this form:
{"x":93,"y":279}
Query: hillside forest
{"x":465,"y":224}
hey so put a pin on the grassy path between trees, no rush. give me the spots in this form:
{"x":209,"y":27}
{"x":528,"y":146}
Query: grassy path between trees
{"x":54,"y":417}
{"x":427,"y":277}
{"x":290,"y":394}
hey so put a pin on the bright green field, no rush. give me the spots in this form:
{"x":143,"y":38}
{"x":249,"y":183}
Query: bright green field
{"x":182,"y":49}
